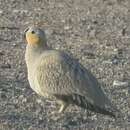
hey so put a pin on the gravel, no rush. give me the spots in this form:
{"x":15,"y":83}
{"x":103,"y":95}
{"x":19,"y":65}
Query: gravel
{"x":97,"y":32}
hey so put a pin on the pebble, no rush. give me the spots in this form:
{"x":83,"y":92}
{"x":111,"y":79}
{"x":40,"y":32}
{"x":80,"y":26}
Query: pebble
{"x":23,"y":99}
{"x":39,"y":101}
{"x":20,"y":11}
{"x":67,"y":27}
{"x":120,"y":83}
{"x":6,"y":66}
{"x":1,"y":11}
{"x":1,"y":52}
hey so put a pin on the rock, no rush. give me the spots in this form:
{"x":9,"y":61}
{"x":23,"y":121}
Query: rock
{"x":6,"y":66}
{"x":120,"y":83}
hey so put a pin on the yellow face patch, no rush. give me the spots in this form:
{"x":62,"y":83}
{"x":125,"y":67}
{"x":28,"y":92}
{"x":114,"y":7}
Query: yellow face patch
{"x":32,"y":38}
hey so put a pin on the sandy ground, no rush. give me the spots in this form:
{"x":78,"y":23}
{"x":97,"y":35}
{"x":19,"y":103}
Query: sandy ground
{"x":97,"y":32}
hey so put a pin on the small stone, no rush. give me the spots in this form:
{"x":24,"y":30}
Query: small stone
{"x":1,"y":52}
{"x":67,"y":27}
{"x":94,"y":117}
{"x":14,"y":44}
{"x":21,"y":97}
{"x":15,"y":101}
{"x":120,"y":83}
{"x":24,"y":100}
{"x":115,"y":61}
{"x":1,"y":11}
{"x":6,"y":66}
{"x":63,"y":20}
{"x":39,"y":101}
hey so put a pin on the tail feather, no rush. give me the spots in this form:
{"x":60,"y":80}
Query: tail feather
{"x":85,"y":104}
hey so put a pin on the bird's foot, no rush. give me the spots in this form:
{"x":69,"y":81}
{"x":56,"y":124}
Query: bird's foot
{"x":55,"y":115}
{"x":62,"y":108}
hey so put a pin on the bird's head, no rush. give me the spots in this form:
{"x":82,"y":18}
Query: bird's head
{"x":35,"y":36}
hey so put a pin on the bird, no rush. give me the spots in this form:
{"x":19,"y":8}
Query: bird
{"x":56,"y":75}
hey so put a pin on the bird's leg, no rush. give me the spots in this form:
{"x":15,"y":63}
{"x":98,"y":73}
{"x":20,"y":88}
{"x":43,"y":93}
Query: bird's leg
{"x":63,"y":106}
{"x":56,"y":116}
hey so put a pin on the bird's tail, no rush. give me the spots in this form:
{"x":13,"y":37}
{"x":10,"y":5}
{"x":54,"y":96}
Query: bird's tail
{"x":82,"y":102}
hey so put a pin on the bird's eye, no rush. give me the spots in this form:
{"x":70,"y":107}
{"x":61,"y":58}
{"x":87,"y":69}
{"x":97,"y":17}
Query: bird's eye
{"x":32,"y":32}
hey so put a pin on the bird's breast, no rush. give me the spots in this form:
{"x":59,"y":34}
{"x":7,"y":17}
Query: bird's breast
{"x":38,"y":88}
{"x":33,"y":85}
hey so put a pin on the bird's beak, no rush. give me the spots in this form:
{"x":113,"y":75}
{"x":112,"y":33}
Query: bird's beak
{"x":25,"y":31}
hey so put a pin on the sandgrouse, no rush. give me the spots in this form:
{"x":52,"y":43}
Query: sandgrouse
{"x":56,"y":75}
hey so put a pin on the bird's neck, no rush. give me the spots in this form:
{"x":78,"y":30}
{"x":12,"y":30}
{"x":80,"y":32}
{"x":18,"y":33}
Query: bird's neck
{"x":33,"y":53}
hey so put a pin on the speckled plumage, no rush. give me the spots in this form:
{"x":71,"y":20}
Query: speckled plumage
{"x":54,"y":74}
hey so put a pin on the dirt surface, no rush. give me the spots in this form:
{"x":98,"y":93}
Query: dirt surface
{"x":97,"y":32}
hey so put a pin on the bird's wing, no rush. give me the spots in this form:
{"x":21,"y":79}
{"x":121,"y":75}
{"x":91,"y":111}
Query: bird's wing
{"x":58,"y":73}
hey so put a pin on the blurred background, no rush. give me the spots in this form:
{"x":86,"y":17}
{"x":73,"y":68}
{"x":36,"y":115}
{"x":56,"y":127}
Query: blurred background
{"x":97,"y":32}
